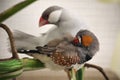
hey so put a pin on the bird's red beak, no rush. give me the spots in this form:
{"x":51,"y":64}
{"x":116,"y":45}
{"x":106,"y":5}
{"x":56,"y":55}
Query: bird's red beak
{"x":76,"y":40}
{"x":42,"y":22}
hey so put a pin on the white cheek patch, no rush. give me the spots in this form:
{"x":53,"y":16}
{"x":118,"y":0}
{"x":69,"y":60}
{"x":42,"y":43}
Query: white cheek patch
{"x":54,"y":16}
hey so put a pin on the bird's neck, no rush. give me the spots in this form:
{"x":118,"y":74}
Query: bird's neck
{"x":65,"y":15}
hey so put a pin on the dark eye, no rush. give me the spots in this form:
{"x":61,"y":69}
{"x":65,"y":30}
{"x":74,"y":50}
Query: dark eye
{"x":45,"y":16}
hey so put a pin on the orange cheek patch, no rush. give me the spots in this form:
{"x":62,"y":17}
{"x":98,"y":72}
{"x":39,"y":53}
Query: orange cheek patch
{"x":86,"y":40}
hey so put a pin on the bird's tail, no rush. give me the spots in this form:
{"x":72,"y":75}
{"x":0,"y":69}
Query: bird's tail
{"x":27,"y":51}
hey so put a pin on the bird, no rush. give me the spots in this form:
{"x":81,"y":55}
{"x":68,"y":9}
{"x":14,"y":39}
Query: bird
{"x":62,"y":23}
{"x":68,"y":45}
{"x":67,"y":52}
{"x":25,"y":41}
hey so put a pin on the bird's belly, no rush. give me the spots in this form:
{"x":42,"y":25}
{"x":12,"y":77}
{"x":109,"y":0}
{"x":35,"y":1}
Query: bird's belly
{"x":48,"y":62}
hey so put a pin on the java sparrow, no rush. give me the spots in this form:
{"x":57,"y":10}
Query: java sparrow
{"x":64,"y":23}
{"x":63,"y":20}
{"x":68,"y":51}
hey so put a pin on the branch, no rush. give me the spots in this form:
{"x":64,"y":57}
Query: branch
{"x":98,"y":68}
{"x":14,"y":52}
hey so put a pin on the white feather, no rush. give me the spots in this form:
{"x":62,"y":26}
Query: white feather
{"x":54,"y":16}
{"x":25,"y":41}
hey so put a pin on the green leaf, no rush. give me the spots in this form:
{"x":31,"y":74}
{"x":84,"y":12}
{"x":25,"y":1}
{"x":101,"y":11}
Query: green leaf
{"x":76,"y":75}
{"x":14,"y":9}
{"x":80,"y":74}
{"x":14,"y":67}
{"x":32,"y":64}
{"x":10,"y":68}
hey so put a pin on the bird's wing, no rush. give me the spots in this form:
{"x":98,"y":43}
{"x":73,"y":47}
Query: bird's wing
{"x":21,"y":35}
{"x":50,"y":47}
{"x":57,"y":45}
{"x":24,"y":40}
{"x":61,"y":49}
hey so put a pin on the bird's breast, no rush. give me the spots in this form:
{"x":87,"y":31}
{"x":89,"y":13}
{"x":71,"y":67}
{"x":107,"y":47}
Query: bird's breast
{"x":49,"y":63}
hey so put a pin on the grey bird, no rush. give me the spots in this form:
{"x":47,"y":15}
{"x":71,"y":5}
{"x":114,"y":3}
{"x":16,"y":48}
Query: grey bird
{"x":68,"y":51}
{"x":62,"y":21}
